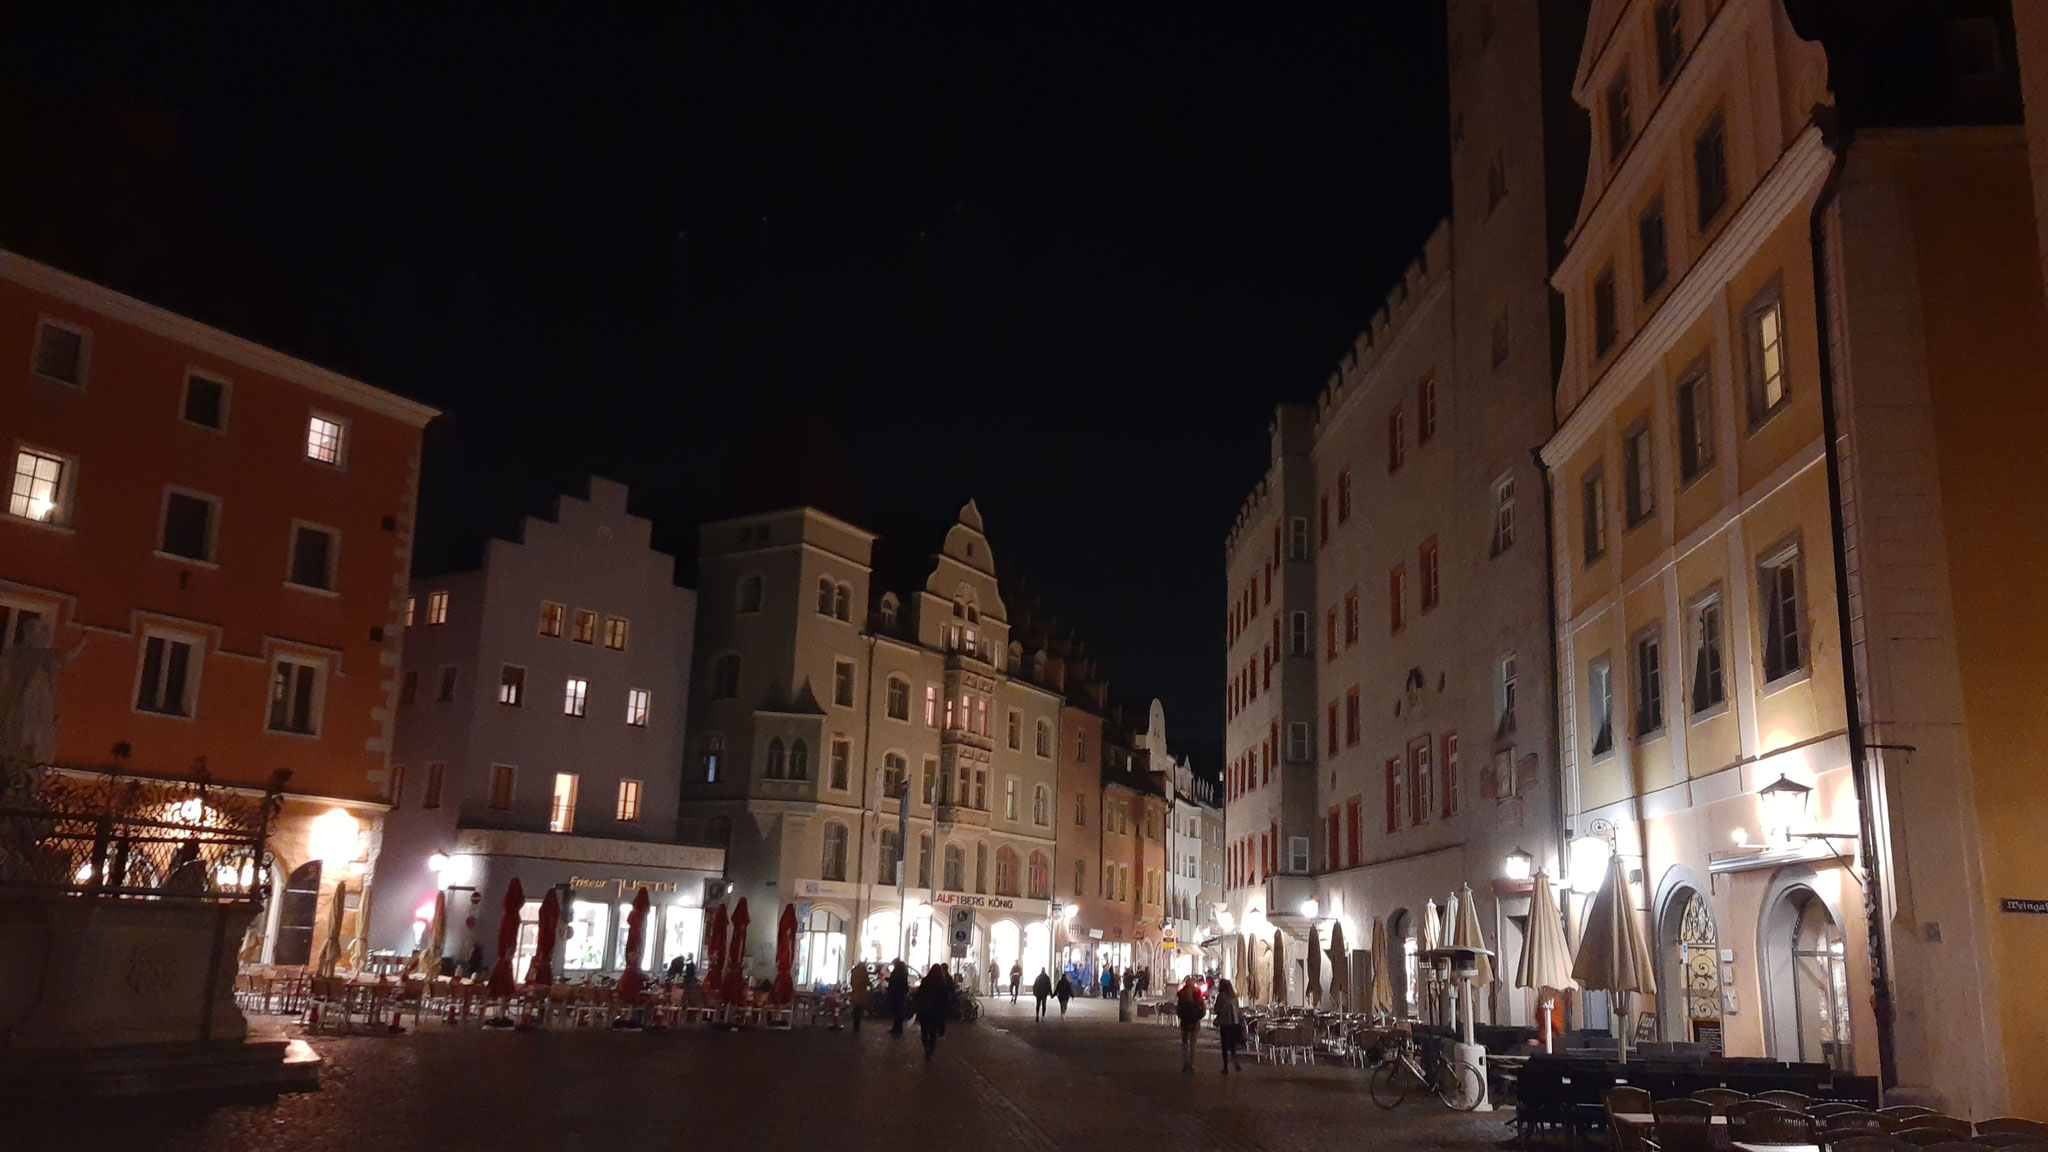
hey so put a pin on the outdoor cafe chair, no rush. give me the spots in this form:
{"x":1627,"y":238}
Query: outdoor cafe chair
{"x":1684,"y":1126}
{"x":1928,"y":1135}
{"x":1960,"y":1129}
{"x":2006,"y":1140}
{"x":1900,"y":1116}
{"x":1850,"y":1122}
{"x":1771,"y":1126}
{"x":1867,"y":1142}
{"x":1834,"y":1108}
{"x":2012,"y":1125}
{"x":1720,"y":1098}
{"x":1785,"y":1098}
{"x":1622,"y":1101}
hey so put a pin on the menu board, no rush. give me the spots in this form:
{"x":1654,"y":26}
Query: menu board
{"x":1708,"y":1032}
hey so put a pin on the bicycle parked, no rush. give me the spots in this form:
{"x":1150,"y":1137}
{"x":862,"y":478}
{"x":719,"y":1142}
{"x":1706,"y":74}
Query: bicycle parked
{"x":1406,"y":1067}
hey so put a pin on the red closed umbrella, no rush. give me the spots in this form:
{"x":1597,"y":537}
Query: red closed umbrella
{"x":736,"y":964}
{"x":785,"y":956}
{"x":714,"y":950}
{"x":543,"y":969}
{"x":503,"y":982}
{"x":631,"y":980}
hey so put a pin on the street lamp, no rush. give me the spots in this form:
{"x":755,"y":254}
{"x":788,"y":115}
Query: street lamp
{"x":1587,"y":867}
{"x":437,"y":862}
{"x":1784,"y":805}
{"x":1519,"y":865}
{"x":1309,"y":908}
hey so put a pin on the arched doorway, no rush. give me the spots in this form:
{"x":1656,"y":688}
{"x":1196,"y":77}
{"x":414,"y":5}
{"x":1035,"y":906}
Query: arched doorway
{"x":296,"y":914}
{"x":1688,"y":956}
{"x":1806,"y":976}
{"x":1005,"y":947}
{"x":1037,"y":950}
{"x":821,"y":947}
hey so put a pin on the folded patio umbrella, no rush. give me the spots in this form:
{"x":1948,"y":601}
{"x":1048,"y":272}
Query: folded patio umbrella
{"x":633,"y":979}
{"x":736,"y":963}
{"x":1612,"y":955}
{"x":785,"y":956}
{"x":1432,"y":938}
{"x":330,"y":949}
{"x":1340,"y":968}
{"x":1314,"y":991}
{"x":542,"y":970}
{"x":1468,"y":935}
{"x":1279,"y":991}
{"x":1382,"y":969}
{"x":1546,"y":962}
{"x":503,"y":982}
{"x":436,"y":939}
{"x":714,"y":952}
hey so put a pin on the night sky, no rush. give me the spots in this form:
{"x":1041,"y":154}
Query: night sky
{"x":1062,"y":264}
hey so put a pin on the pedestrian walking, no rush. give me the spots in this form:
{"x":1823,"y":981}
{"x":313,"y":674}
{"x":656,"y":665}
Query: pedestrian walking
{"x":898,"y":993}
{"x":993,"y":982}
{"x":857,"y":988}
{"x":1229,"y":1024}
{"x":1016,"y":978}
{"x":934,"y":1005}
{"x":1041,"y":989}
{"x":1065,"y":991}
{"x":1188,"y":1006}
{"x":1109,"y":983}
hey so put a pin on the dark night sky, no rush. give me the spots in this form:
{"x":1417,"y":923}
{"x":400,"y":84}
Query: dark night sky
{"x":1062,"y":264}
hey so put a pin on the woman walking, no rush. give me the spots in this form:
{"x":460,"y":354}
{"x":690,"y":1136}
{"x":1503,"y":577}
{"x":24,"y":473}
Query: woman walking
{"x":1041,"y":988}
{"x":934,"y":1000}
{"x":1229,"y":1024}
{"x":1189,"y":1007}
{"x":1064,"y":990}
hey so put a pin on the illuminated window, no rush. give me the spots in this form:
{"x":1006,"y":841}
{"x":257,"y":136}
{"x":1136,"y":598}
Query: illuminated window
{"x":39,"y":488}
{"x":1600,"y":703}
{"x":1763,"y":324}
{"x":562,"y":806}
{"x":714,"y":752}
{"x":512,"y":685}
{"x":585,"y":628}
{"x":437,"y":608}
{"x":501,"y":787}
{"x":60,"y":352}
{"x":636,"y":707}
{"x":324,"y":438}
{"x":629,"y":801}
{"x":551,"y":616}
{"x":1639,"y":499}
{"x":931,"y":705}
{"x":409,"y":603}
{"x":615,"y":634}
{"x":574,"y":692}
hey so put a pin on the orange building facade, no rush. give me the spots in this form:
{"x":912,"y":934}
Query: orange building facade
{"x":218,"y":536}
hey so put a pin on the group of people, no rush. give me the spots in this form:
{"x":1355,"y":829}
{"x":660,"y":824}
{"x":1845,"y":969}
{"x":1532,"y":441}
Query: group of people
{"x":930,"y":1003}
{"x":1189,"y":1008}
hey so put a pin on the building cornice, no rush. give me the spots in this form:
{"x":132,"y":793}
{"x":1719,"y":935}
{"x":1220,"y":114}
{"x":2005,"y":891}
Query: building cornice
{"x":157,"y":321}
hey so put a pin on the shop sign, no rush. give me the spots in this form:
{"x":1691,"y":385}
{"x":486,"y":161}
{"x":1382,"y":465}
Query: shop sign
{"x":2030,"y":907}
{"x":963,"y":931}
{"x":965,"y":900}
{"x":623,"y":886}
{"x":822,"y":888}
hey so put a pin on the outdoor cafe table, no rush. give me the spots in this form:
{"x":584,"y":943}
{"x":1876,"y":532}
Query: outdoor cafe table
{"x":1647,"y":1120}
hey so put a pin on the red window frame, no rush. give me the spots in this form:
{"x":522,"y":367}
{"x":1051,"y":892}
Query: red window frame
{"x":1425,"y":408}
{"x":1343,"y":495}
{"x":1447,"y":775}
{"x":1393,"y":794}
{"x":1354,"y":817}
{"x":1397,"y":449}
{"x":1351,"y":617}
{"x":1397,"y":583}
{"x":1333,"y":745}
{"x":1323,"y":516}
{"x":1351,"y":717}
{"x":1330,"y":636}
{"x":1429,"y":574}
{"x":1419,"y":772}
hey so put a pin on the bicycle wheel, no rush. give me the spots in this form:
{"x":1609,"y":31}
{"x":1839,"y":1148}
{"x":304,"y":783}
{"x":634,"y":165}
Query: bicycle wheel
{"x":1390,"y":1083}
{"x":1460,"y":1086}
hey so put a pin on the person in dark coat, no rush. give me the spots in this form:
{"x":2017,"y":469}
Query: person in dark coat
{"x":474,"y":966}
{"x":1041,"y":990}
{"x":1016,"y":978}
{"x":898,"y":992}
{"x":1065,"y":991}
{"x":934,"y":1005}
{"x":1188,"y":1006}
{"x":1229,"y":1024}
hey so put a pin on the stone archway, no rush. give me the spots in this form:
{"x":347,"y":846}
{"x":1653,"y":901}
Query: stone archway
{"x":1803,"y":965}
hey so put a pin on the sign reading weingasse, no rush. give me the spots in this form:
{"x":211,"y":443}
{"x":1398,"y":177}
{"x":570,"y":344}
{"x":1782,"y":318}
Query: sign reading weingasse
{"x":2033,"y":907}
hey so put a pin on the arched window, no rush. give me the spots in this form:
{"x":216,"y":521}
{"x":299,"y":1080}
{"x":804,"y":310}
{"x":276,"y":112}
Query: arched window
{"x":1041,"y":806}
{"x":981,"y":867}
{"x":825,"y":591}
{"x":895,"y":771}
{"x":1006,"y":871}
{"x":890,"y":857}
{"x":833,"y":867}
{"x":1039,"y":878}
{"x":799,"y":761}
{"x":889,"y":606}
{"x":776,"y":768}
{"x":899,"y":698}
{"x":714,"y":757}
{"x":725,"y":677}
{"x":749,"y":596}
{"x":842,"y":602}
{"x":1043,"y":739}
{"x":956,"y":868}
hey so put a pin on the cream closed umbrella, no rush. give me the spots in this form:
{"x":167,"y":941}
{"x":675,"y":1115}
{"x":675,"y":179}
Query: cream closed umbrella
{"x":330,"y":949}
{"x":1612,"y":955}
{"x":1432,"y":939}
{"x":1340,"y":968}
{"x":1545,"y":966}
{"x":1382,"y":970}
{"x":436,"y":939}
{"x":1314,"y":992}
{"x":1468,"y":935}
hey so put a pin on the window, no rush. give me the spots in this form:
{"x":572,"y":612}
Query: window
{"x":1010,"y":798}
{"x":1503,"y":514}
{"x":897,"y":698}
{"x":889,"y":856}
{"x":1593,"y":514}
{"x":1606,"y":322}
{"x":1656,"y":261}
{"x":1043,"y":739}
{"x":840,"y":763}
{"x":1397,"y":597}
{"x":437,"y":608}
{"x":1763,"y":336}
{"x":1600,"y":699}
{"x":748,"y":598}
{"x":1013,"y":730}
{"x":1297,"y":854}
{"x":40,"y":488}
{"x":1447,"y":775}
{"x":575,"y":692}
{"x":1081,"y":745}
{"x":398,"y":785}
{"x":1041,"y":806}
{"x":842,"y":683}
{"x":799,"y":760}
{"x":1649,"y":683}
{"x":501,"y":787}
{"x":1332,"y":740}
{"x":714,"y":755}
{"x":1297,"y":633}
{"x":725,"y":677}
{"x":1639,"y":499}
{"x":1695,"y":421}
{"x":312,"y":561}
{"x":1397,"y":447}
{"x":1619,"y":125}
{"x":551,"y":616}
{"x":406,"y":620}
{"x":60,"y":352}
{"x":295,"y":696}
{"x":446,"y":692}
{"x":584,"y":630}
{"x":776,"y":764}
{"x":1508,"y":690}
{"x":1080,"y":809}
{"x":615,"y":634}
{"x":931,"y":780}
{"x":1496,"y":181}
{"x":629,"y":801}
{"x":895,"y":775}
{"x":1430,"y":574}
{"x":954,"y":876}
{"x":1421,"y":782}
{"x":1080,"y":878}
{"x":1425,"y":408}
{"x":562,"y":806}
{"x":924,"y":861}
{"x":1710,"y":171}
{"x":1351,"y":717}
{"x":825,"y":590}
{"x":511,"y":685}
{"x":409,"y":686}
{"x":1670,"y":30}
{"x":324,"y":438}
{"x":637,"y":700}
{"x":1778,"y":581}
{"x":168,"y":678}
{"x":436,"y":772}
{"x":833,"y":866}
{"x":1038,"y":877}
{"x":1343,"y":507}
{"x":1709,"y":686}
{"x":1297,"y":740}
{"x":188,"y":526}
{"x":1351,"y":618}
{"x":842,"y":602}
{"x":1006,"y":871}
{"x":1330,"y":636}
{"x":1297,"y":538}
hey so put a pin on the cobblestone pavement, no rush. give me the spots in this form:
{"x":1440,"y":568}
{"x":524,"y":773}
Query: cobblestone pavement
{"x":1006,"y":1082}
